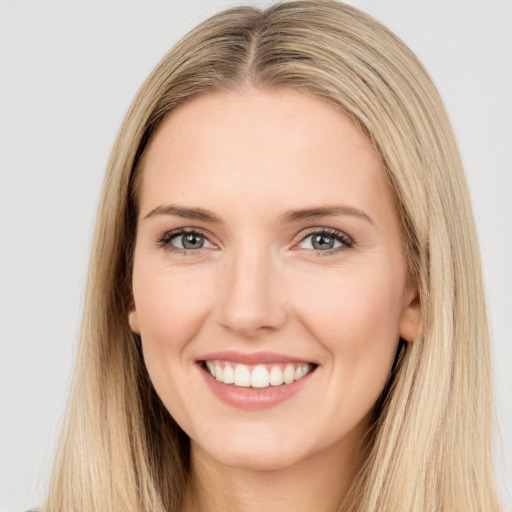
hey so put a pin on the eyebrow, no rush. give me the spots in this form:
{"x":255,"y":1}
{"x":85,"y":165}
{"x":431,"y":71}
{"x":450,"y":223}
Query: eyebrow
{"x":186,"y":213}
{"x":287,"y":218}
{"x":323,"y":211}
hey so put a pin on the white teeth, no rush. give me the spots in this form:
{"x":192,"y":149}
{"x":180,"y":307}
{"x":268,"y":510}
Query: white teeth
{"x":242,"y":376}
{"x":260,"y":377}
{"x":218,"y":372}
{"x":229,"y":375}
{"x":276,"y":376}
{"x":289,"y":374}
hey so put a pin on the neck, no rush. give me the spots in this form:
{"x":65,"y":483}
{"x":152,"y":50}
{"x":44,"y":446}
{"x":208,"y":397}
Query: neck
{"x":320,"y":482}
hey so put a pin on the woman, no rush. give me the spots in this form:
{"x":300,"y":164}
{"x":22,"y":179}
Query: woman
{"x":284,"y":306}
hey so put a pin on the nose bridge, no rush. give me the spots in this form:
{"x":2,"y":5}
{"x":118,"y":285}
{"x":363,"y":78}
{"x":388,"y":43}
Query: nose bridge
{"x":250,"y":300}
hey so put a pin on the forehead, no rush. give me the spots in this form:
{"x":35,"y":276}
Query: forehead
{"x":263,"y":147}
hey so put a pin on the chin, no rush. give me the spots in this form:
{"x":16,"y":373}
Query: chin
{"x":253,"y":453}
{"x":248,"y":460}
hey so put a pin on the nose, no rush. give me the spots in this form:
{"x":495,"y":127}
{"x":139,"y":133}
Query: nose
{"x":251,"y":299}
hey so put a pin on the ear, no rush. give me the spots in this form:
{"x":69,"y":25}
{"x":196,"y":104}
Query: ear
{"x":133,"y":321}
{"x":410,"y":317}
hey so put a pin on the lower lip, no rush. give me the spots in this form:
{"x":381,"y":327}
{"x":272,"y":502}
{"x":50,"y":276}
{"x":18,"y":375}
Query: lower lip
{"x":253,"y":398}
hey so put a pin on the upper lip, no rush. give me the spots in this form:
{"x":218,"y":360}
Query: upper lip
{"x":252,"y":358}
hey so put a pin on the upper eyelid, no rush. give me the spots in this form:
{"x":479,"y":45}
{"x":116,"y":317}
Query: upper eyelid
{"x":167,"y":236}
{"x":324,"y":229}
{"x":185,"y":230}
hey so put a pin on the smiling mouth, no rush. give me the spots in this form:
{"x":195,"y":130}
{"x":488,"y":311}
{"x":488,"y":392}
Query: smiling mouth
{"x":258,"y":376}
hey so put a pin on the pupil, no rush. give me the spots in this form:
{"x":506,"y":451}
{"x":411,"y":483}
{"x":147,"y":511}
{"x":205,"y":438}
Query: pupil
{"x":323,"y":242}
{"x":192,"y":241}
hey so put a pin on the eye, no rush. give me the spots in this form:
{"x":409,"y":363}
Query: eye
{"x":189,"y":241}
{"x":184,"y":240}
{"x":326,"y":240}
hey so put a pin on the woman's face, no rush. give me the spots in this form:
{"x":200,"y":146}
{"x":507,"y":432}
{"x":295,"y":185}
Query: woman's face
{"x":269,"y":280}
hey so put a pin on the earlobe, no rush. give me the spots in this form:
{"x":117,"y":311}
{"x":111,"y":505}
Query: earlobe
{"x":410,"y":319}
{"x":133,"y":321}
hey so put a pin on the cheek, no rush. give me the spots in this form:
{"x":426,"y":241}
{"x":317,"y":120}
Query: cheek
{"x":360,"y":306}
{"x":171,"y":308}
{"x":168,"y":301}
{"x":355,"y":316}
{"x":358,"y":325}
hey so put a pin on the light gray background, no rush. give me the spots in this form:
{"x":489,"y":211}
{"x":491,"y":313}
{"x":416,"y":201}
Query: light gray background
{"x":68,"y":71}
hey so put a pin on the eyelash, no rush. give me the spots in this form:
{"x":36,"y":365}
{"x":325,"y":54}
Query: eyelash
{"x":165,"y":240}
{"x":346,"y":241}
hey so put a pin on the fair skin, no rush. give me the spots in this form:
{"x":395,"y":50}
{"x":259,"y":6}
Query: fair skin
{"x":295,"y":259}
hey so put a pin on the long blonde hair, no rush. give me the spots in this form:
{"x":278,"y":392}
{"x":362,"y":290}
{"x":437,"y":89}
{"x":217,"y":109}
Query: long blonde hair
{"x":431,"y":443}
